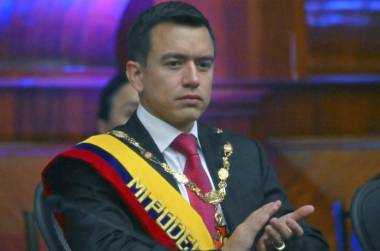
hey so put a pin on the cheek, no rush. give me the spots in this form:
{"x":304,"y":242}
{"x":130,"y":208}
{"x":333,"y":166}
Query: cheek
{"x":117,"y":119}
{"x":158,"y":98}
{"x":207,"y":87}
{"x":118,"y":112}
{"x":166,"y":91}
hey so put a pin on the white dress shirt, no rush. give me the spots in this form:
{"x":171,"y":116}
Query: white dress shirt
{"x":163,"y":135}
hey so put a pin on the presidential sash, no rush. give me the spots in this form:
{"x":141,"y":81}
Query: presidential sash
{"x":157,"y":205}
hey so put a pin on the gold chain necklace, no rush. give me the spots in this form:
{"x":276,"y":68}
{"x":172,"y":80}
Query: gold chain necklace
{"x":214,"y":197}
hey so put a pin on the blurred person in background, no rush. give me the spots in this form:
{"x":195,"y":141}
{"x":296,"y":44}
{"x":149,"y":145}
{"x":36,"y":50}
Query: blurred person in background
{"x":118,"y":100}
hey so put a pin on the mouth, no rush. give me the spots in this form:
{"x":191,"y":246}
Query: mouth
{"x":191,"y":96}
{"x":190,"y":99}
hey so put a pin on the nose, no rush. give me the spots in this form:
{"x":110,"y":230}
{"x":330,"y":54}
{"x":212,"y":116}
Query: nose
{"x":191,"y":77}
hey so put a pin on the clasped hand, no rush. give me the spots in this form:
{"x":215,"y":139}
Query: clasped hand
{"x":275,"y":230}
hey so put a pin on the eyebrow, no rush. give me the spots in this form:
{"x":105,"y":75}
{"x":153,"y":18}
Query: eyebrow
{"x":174,"y":55}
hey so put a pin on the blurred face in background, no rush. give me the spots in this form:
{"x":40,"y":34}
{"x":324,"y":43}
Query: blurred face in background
{"x":122,"y":104}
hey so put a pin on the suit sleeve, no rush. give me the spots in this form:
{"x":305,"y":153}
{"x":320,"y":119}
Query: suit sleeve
{"x":312,"y":240}
{"x":94,"y":216}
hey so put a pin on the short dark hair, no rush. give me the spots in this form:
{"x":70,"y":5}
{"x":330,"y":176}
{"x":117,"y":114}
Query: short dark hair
{"x":139,"y":36}
{"x":108,"y":91}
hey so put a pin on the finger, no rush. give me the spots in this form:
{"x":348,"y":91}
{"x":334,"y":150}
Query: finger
{"x":269,"y":245}
{"x":282,"y":228}
{"x":260,"y":246}
{"x":294,"y":226}
{"x":258,"y":218}
{"x":245,"y":233}
{"x":274,"y":236}
{"x":301,"y":212}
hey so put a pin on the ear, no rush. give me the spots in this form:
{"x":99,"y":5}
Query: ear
{"x":135,"y":75}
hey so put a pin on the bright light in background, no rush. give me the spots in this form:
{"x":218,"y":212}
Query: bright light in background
{"x":25,"y":10}
{"x":59,"y":32}
{"x":6,"y":7}
{"x":324,"y":13}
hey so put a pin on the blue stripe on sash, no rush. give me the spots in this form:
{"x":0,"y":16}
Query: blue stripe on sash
{"x":122,"y":172}
{"x":111,"y":160}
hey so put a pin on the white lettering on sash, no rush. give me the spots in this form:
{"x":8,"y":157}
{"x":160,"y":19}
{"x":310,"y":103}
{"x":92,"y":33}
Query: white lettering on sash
{"x":165,"y":219}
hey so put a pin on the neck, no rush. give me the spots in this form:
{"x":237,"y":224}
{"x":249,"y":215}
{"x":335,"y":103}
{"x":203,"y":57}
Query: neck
{"x":184,"y":127}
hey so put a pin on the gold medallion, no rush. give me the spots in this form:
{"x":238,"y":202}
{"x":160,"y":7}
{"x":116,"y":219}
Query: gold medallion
{"x":148,"y":155}
{"x":227,"y":148}
{"x":213,"y":197}
{"x":223,"y":174}
{"x":118,"y":134}
{"x":181,"y":178}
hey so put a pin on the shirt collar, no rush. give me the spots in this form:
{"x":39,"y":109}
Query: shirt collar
{"x":162,"y":133}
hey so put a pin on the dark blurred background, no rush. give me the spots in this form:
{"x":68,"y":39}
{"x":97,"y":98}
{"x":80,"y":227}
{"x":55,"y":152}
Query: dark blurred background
{"x":303,"y":76}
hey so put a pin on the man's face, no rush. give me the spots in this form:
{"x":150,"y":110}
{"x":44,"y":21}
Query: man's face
{"x":176,"y":81}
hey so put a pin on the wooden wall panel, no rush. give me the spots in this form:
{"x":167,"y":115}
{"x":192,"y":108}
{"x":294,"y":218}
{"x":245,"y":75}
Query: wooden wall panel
{"x":321,"y":170}
{"x":343,"y":36}
{"x":303,"y":191}
{"x":319,"y":109}
{"x":20,"y":171}
{"x":38,"y":113}
{"x":7,"y":114}
{"x":350,"y":111}
{"x":285,"y":112}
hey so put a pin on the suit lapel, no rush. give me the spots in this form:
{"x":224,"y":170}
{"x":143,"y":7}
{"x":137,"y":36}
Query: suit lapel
{"x":212,"y":149}
{"x":135,"y":129}
{"x":212,"y":146}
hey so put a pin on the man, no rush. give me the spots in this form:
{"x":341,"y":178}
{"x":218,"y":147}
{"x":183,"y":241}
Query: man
{"x":163,"y":180}
{"x":118,"y":100}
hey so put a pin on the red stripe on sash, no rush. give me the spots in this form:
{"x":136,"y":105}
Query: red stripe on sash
{"x":106,"y":171}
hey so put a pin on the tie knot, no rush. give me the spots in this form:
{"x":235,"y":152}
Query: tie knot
{"x":186,"y":144}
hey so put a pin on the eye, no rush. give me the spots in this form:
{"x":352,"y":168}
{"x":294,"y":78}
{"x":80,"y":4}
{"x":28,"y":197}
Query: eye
{"x":205,"y":65}
{"x":173,"y":64}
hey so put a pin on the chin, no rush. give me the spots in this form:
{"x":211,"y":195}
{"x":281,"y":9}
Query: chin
{"x":185,"y":119}
{"x":191,"y":114}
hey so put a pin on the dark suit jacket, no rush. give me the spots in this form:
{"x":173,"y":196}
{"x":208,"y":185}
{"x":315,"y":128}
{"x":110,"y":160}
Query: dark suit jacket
{"x":95,"y":218}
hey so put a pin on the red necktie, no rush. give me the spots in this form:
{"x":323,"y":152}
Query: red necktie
{"x":187,"y":145}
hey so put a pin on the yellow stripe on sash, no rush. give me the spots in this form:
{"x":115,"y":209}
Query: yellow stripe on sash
{"x":158,"y":187}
